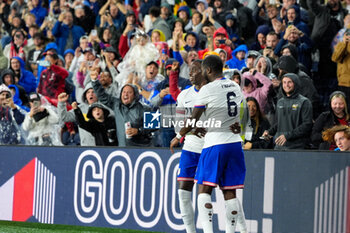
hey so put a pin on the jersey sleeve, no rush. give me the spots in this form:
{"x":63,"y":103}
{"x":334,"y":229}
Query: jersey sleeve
{"x":202,"y":98}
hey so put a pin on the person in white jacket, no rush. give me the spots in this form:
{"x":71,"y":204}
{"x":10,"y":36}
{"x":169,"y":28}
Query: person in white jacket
{"x":41,"y":123}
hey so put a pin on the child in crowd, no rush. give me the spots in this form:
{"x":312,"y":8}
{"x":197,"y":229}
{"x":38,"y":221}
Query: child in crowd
{"x":100,"y":124}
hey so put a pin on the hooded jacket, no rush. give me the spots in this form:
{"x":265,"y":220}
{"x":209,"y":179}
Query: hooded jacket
{"x":263,"y":29}
{"x":86,"y":138}
{"x":228,"y":49}
{"x":52,"y":81}
{"x":294,"y":117}
{"x":17,"y":100}
{"x":103,"y":132}
{"x":234,"y":63}
{"x":325,"y":121}
{"x":22,"y":93}
{"x":259,"y":93}
{"x":196,"y":46}
{"x":297,"y":21}
{"x":132,"y":113}
{"x":27,"y":80}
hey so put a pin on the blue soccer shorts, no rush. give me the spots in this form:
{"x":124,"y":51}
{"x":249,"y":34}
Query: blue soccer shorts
{"x":188,"y":165}
{"x":222,"y":165}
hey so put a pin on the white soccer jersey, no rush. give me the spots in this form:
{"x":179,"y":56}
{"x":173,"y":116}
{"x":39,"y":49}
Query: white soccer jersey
{"x":222,"y":100}
{"x":185,"y":102}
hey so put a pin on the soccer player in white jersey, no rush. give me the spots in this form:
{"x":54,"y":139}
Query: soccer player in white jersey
{"x":222,"y":160}
{"x":192,"y":146}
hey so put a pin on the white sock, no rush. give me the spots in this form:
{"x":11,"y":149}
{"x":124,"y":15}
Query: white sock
{"x":232,"y":209}
{"x":205,"y":213}
{"x":241,"y":218}
{"x":186,"y":209}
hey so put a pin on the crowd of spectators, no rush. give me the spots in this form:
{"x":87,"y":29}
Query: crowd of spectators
{"x":85,"y":72}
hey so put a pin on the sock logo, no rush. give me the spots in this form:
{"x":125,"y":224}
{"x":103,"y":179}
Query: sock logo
{"x":29,"y":193}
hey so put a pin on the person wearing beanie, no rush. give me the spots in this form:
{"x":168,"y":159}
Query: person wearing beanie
{"x":294,"y":117}
{"x":336,"y":115}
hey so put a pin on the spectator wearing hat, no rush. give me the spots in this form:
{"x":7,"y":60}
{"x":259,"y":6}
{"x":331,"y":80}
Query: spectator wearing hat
{"x":147,"y":84}
{"x":40,"y":123}
{"x":260,"y":38}
{"x":287,"y":64}
{"x":337,"y":114}
{"x":158,"y":22}
{"x":22,"y":76}
{"x":161,"y":98}
{"x":231,"y":26}
{"x":201,"y":6}
{"x":294,"y":116}
{"x":10,"y":118}
{"x":100,"y":124}
{"x":126,"y":39}
{"x":67,"y":34}
{"x":184,"y":14}
{"x":251,"y":58}
{"x":68,"y":56}
{"x":166,"y":13}
{"x":34,"y":54}
{"x":52,"y":80}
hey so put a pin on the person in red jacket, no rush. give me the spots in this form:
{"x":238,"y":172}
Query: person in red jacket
{"x":220,"y":40}
{"x":52,"y":80}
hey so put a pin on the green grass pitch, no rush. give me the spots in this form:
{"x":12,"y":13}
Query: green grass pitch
{"x":27,"y":227}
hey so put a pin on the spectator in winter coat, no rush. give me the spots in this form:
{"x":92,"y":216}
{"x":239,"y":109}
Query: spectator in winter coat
{"x":52,"y":80}
{"x":251,"y":88}
{"x":238,"y":58}
{"x":40,"y":123}
{"x":128,"y":113}
{"x":67,"y":34}
{"x":89,"y":97}
{"x":38,"y":10}
{"x":337,"y":115}
{"x":10,"y":118}
{"x":341,"y":56}
{"x":294,"y":116}
{"x":22,"y":76}
{"x":8,"y":78}
{"x":100,"y":124}
{"x":259,"y":124}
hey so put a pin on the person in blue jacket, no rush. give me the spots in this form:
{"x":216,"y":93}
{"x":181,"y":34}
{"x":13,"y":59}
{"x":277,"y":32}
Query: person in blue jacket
{"x":67,"y":34}
{"x":238,"y":58}
{"x":25,"y":78}
{"x":38,"y":10}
